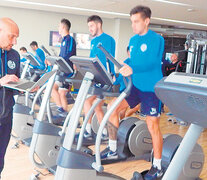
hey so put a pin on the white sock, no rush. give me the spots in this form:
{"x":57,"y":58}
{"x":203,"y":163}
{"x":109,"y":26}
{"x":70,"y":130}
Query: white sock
{"x":88,"y":128}
{"x":157,"y":163}
{"x":105,"y":131}
{"x":112,"y":145}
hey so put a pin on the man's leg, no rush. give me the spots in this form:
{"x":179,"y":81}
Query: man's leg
{"x":63,"y":98}
{"x":87,"y":106}
{"x":113,"y":125}
{"x":132,"y":100}
{"x":154,"y":129}
{"x":100,"y":114}
{"x":132,"y":111}
{"x":151,"y":106}
{"x":5,"y":131}
{"x":55,"y":95}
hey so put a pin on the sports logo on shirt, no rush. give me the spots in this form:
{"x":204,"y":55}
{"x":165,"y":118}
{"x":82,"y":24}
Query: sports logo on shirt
{"x":11,"y":64}
{"x":130,"y":48}
{"x":143,"y":47}
{"x":63,"y":44}
{"x":92,"y":45}
{"x":153,"y":111}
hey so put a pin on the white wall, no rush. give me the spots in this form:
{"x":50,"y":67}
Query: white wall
{"x":35,"y":25}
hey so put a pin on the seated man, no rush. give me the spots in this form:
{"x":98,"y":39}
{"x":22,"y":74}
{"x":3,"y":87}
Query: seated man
{"x":23,"y":50}
{"x":31,"y":71}
{"x":175,"y":65}
{"x":67,"y":49}
{"x":39,"y":55}
{"x":146,"y":50}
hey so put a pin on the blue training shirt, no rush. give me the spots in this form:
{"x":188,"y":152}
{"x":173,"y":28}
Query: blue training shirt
{"x":120,"y":80}
{"x":146,"y":53}
{"x":68,"y":48}
{"x":40,"y":56}
{"x":109,"y":44}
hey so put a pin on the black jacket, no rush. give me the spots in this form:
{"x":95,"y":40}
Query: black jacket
{"x":13,"y":67}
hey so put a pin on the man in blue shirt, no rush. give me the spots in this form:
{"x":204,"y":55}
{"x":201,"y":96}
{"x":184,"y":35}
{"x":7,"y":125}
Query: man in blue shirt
{"x":95,"y":28}
{"x":39,"y":55}
{"x":146,"y":50}
{"x":9,"y":72}
{"x":67,"y":49}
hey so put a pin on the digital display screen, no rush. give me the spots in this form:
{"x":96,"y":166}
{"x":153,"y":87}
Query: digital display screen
{"x":195,"y":81}
{"x":83,"y":40}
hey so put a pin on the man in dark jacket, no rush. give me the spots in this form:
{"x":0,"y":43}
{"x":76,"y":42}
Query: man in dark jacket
{"x":9,"y":72}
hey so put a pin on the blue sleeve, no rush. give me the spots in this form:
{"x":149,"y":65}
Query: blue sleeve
{"x":127,"y":61}
{"x":40,"y":57}
{"x":23,"y":60}
{"x":49,"y":68}
{"x":151,"y":63}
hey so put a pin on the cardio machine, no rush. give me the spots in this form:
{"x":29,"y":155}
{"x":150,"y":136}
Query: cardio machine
{"x":183,"y":159}
{"x":22,"y":118}
{"x":47,"y":137}
{"x":72,"y":163}
{"x":133,"y":138}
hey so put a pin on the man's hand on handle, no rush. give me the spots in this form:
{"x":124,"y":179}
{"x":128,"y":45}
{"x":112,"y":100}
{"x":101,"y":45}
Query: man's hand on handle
{"x":126,"y":70}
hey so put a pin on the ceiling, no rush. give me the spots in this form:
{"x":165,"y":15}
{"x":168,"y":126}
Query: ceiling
{"x":164,"y":12}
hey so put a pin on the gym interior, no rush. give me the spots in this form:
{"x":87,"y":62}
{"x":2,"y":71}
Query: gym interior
{"x":182,"y":25}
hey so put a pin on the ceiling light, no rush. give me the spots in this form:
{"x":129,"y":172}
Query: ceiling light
{"x":178,"y":21}
{"x":66,"y":7}
{"x":172,"y":2}
{"x":102,"y":12}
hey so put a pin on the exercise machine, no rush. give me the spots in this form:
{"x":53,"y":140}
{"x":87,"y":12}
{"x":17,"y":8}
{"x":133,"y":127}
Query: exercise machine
{"x":72,"y":163}
{"x":183,"y":159}
{"x":47,"y":137}
{"x":23,"y":120}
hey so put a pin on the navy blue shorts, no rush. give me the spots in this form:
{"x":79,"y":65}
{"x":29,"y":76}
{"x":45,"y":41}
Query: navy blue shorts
{"x":151,"y":105}
{"x":60,"y":81}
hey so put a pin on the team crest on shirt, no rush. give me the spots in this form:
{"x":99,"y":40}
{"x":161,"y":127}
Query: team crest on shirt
{"x":92,"y":45}
{"x":153,"y":111}
{"x":130,"y":48}
{"x":143,"y":47}
{"x":63,"y":44}
{"x":11,"y":64}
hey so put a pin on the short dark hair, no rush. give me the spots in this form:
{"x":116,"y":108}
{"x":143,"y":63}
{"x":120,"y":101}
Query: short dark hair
{"x":33,"y":43}
{"x":95,"y":18}
{"x":67,"y":23}
{"x":23,"y":49}
{"x":144,"y":10}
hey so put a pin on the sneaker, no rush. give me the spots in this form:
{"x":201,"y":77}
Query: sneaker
{"x":153,"y":174}
{"x":62,"y":112}
{"x":87,"y":135}
{"x":108,"y":154}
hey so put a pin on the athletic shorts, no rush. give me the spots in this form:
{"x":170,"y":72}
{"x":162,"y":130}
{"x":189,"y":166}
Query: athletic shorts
{"x":60,"y":81}
{"x":151,"y":105}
